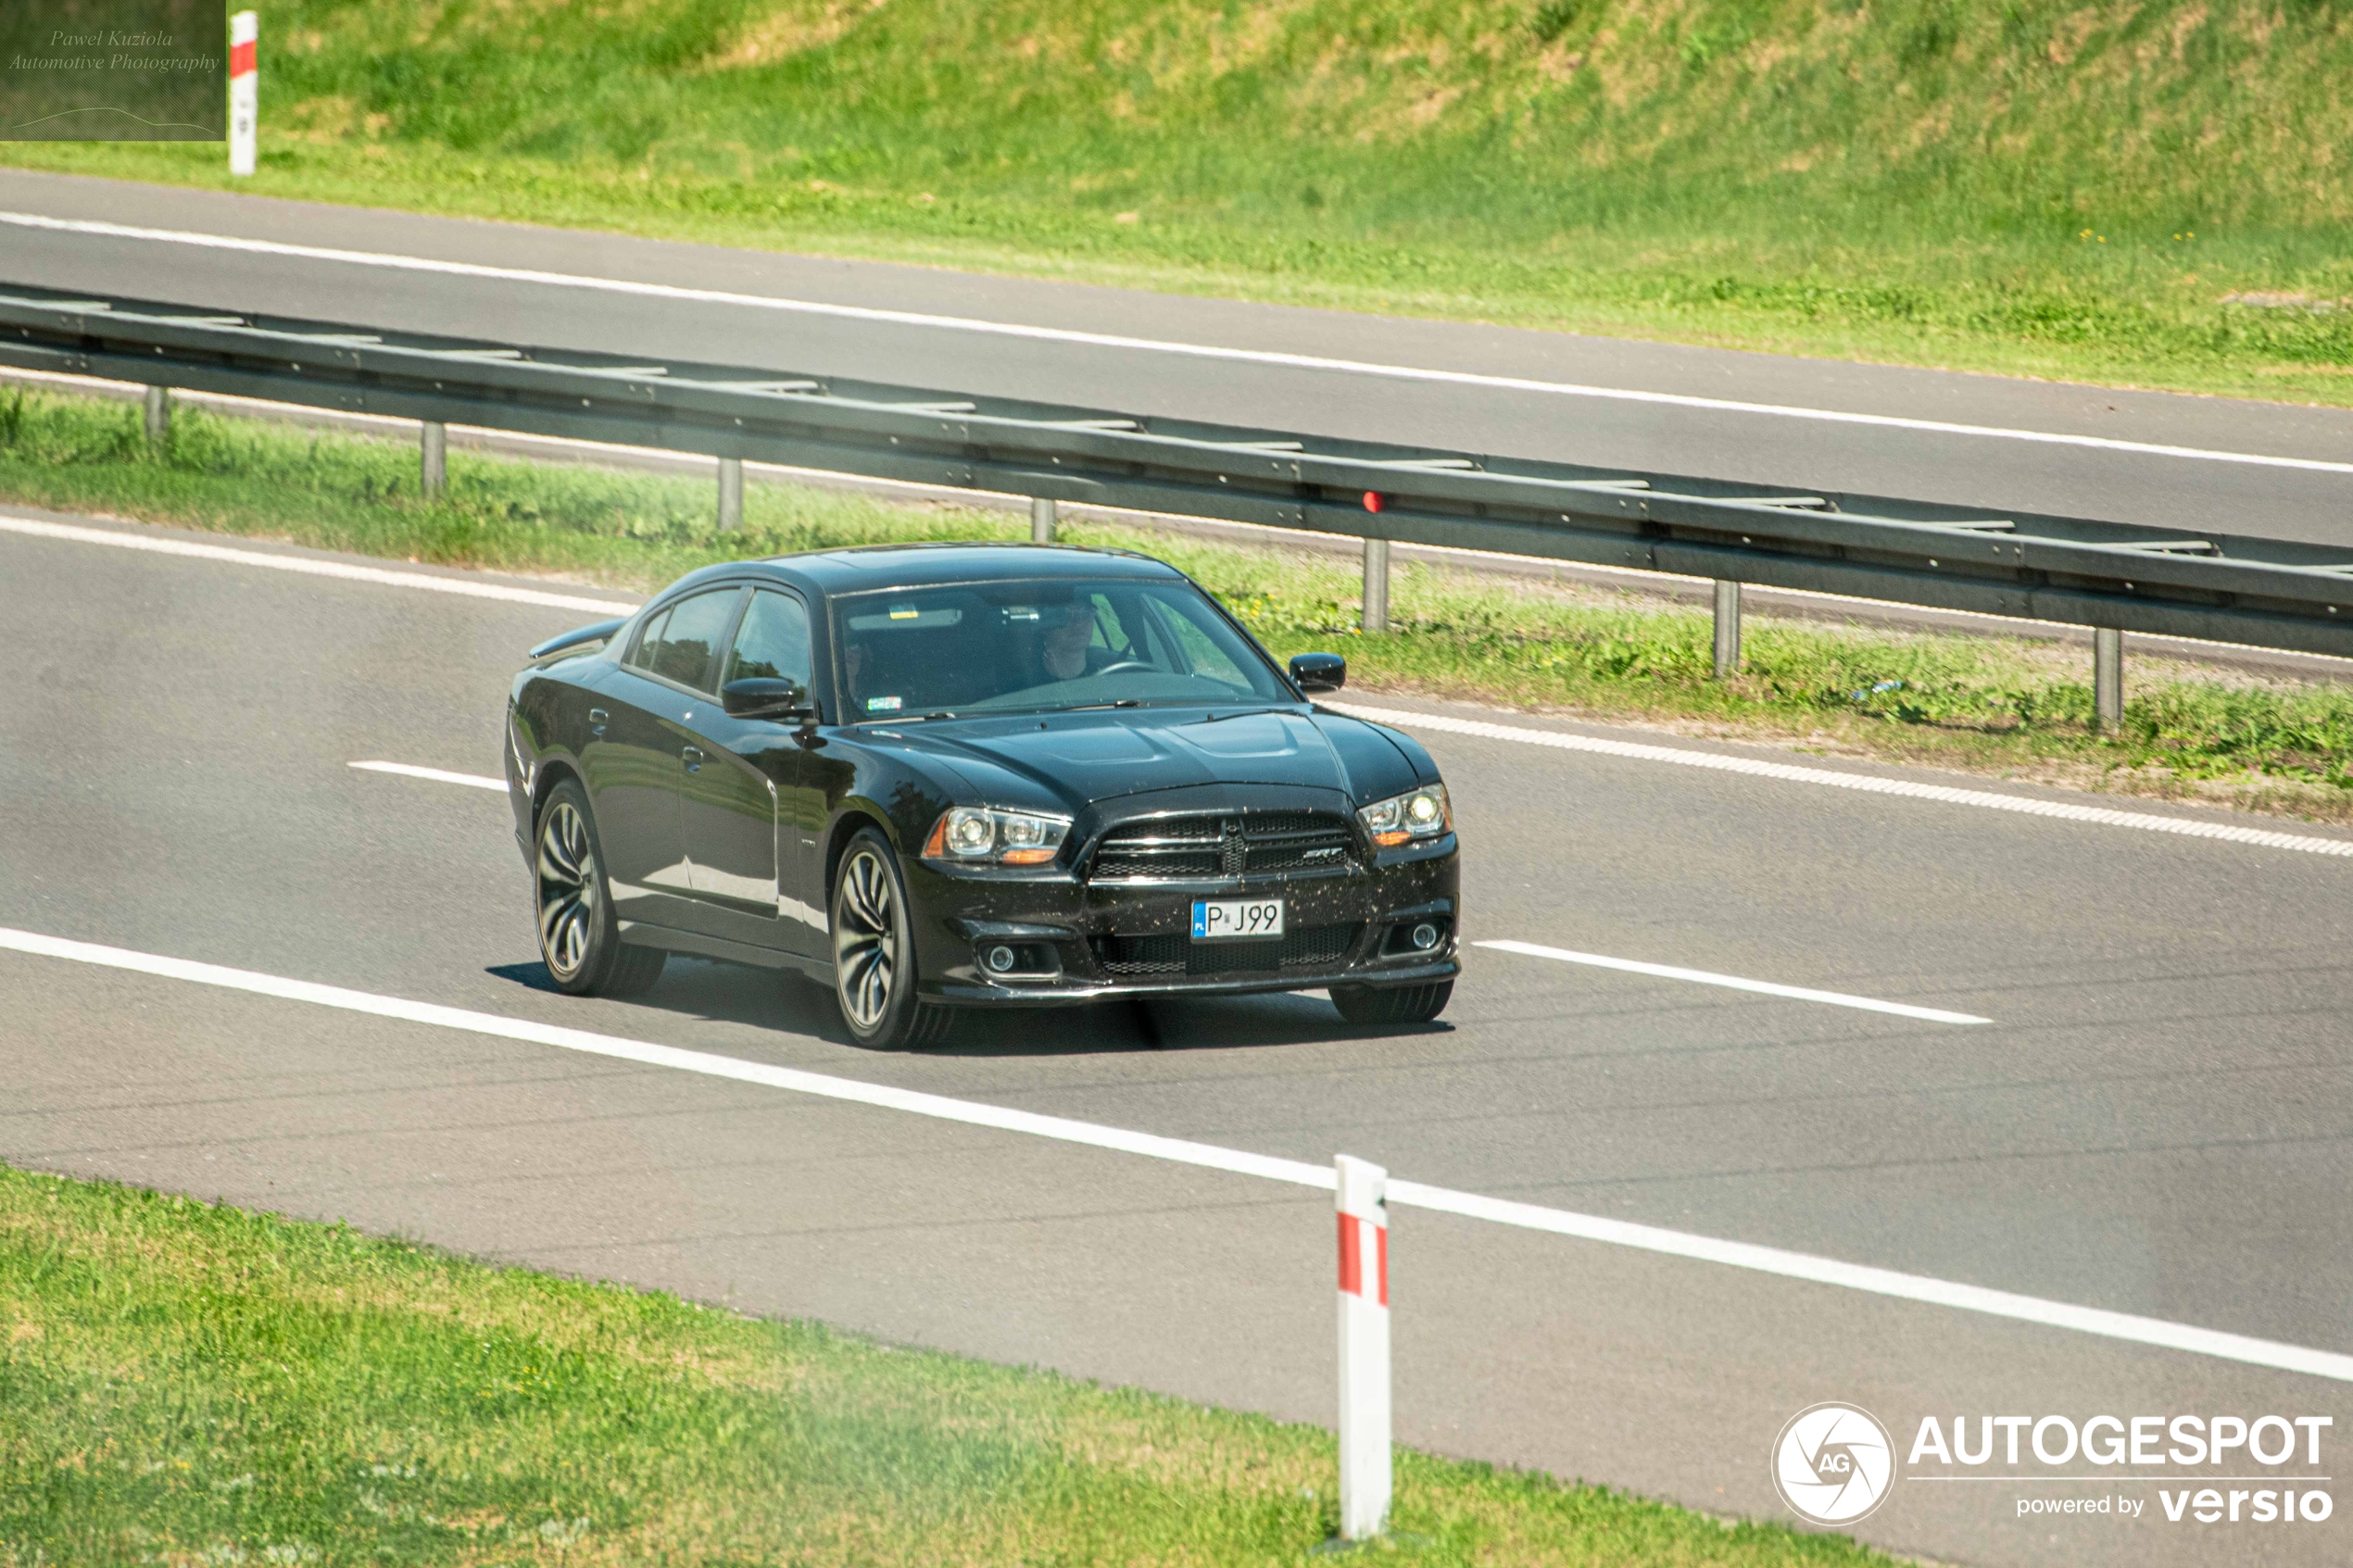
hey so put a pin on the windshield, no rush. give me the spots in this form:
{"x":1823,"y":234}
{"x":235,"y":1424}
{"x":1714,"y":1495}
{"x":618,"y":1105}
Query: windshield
{"x":995,"y":647}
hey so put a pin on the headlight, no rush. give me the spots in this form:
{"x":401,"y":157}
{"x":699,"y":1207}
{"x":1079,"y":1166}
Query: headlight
{"x":1419,"y":814}
{"x":985,"y":835}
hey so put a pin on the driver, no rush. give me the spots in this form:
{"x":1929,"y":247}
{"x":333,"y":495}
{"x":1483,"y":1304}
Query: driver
{"x":1067,"y":631}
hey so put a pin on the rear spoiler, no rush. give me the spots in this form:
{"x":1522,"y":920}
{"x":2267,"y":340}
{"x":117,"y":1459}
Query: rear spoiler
{"x":582,"y":639}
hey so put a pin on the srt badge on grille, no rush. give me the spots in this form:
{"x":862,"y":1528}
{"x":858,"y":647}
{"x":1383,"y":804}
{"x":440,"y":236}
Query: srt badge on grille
{"x":1231,"y":854}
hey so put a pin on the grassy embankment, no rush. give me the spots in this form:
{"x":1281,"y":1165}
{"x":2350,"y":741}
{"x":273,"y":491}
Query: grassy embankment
{"x":191,"y":1384}
{"x":1979,"y":703}
{"x":2040,"y":187}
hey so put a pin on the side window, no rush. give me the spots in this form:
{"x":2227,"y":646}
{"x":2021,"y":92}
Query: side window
{"x":1201,"y":656}
{"x":772,"y":643}
{"x":1110,"y":636}
{"x":643,"y":658}
{"x":679,"y":643}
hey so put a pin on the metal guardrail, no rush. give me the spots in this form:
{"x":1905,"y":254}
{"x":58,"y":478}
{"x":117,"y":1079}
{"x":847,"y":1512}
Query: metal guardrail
{"x":2112,"y":576}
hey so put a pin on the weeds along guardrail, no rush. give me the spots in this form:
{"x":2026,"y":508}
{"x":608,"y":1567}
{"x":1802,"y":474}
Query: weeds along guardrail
{"x":2112,"y":577}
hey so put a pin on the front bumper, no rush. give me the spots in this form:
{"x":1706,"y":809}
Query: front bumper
{"x":1079,"y":942}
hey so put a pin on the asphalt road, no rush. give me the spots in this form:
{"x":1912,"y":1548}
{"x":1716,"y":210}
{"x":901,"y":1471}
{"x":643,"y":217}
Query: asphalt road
{"x":2155,"y":1122}
{"x":1996,"y":473}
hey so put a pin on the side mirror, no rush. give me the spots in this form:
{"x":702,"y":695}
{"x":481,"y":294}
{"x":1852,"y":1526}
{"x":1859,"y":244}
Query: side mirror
{"x":761,"y":698}
{"x":1318,"y":672}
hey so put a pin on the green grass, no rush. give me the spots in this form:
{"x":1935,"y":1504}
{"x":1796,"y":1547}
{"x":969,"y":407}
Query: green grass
{"x":2038,"y":187}
{"x":185,"y":1383}
{"x":1989,"y":704}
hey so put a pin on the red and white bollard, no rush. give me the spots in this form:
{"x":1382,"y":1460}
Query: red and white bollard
{"x":245,"y":91}
{"x":1364,"y":1348}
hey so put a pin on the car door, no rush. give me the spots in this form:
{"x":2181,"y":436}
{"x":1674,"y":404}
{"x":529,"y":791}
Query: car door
{"x":742,"y":810}
{"x":640,"y":742}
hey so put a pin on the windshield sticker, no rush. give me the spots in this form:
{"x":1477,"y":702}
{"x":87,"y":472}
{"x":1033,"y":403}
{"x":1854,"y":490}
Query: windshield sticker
{"x":882,"y":705}
{"x":904,"y":618}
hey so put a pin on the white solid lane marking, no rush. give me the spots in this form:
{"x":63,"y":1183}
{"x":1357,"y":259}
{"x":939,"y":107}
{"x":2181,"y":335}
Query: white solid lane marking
{"x":2096,"y":1321}
{"x":652,"y":1055}
{"x":1734,"y":983}
{"x":1498,"y":1211}
{"x":1152,"y":345}
{"x":1402,"y":718}
{"x":439,"y":775}
{"x":380,"y":576}
{"x":1985,"y":799}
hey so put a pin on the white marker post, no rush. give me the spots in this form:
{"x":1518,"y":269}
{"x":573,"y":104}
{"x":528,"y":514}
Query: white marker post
{"x":1364,"y":1349}
{"x":245,"y":94}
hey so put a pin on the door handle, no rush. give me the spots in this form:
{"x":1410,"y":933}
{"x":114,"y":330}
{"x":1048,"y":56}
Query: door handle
{"x":692,"y":757}
{"x":597,"y":720}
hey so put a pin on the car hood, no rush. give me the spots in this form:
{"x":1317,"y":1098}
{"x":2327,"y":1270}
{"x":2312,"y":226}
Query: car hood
{"x":1072,"y":760}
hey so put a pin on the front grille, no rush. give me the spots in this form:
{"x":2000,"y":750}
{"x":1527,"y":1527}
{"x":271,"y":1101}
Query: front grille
{"x":1205,"y":848}
{"x":1173,"y":849}
{"x":1296,"y":841}
{"x":1311,"y":947}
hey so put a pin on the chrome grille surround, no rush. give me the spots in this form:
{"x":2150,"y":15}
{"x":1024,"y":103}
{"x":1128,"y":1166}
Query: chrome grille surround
{"x":1211,"y":845}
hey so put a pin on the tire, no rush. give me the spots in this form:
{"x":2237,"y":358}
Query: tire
{"x":875,"y":972}
{"x":579,"y":938}
{"x":1392,"y":1004}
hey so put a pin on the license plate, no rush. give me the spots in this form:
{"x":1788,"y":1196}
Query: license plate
{"x":1218,"y":918}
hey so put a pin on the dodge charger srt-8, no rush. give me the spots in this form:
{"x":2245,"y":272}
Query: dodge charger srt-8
{"x":973,"y":775}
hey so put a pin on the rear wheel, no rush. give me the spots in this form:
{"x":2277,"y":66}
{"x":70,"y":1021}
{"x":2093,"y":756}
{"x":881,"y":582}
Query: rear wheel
{"x":874,"y":974}
{"x":579,"y":940}
{"x":1392,"y":1004}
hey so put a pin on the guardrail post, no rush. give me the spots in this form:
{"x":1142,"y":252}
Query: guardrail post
{"x":1042,"y":513}
{"x":433,"y":459}
{"x":244,"y":102}
{"x":731,"y":494}
{"x":158,"y":417}
{"x":1364,"y":1479}
{"x":1376,"y":584}
{"x":1727,"y":628}
{"x":2107,"y":677}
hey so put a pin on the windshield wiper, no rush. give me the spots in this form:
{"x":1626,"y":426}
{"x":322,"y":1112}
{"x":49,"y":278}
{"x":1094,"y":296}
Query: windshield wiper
{"x":1238,"y":714}
{"x":1091,"y":706}
{"x":908,"y":718}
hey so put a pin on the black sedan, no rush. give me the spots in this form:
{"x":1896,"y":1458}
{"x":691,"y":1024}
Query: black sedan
{"x":973,"y":775}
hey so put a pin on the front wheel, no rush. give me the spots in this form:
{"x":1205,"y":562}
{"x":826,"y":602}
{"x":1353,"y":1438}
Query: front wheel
{"x":874,"y":974}
{"x":579,"y":940}
{"x":1392,"y":1004}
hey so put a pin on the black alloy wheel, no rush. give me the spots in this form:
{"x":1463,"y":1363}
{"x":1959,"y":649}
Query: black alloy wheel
{"x":579,"y":940}
{"x":874,"y":974}
{"x":1392,"y":1004}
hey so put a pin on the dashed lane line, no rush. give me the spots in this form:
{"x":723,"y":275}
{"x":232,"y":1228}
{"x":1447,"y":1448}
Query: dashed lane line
{"x":1734,"y":983}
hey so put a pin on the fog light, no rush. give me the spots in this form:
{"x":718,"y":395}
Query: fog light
{"x":1425,"y":936}
{"x":1002,"y":960}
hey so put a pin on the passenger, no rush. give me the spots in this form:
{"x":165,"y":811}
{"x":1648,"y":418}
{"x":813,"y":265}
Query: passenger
{"x":854,"y":659}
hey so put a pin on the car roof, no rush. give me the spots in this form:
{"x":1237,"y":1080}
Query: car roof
{"x":866,"y":567}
